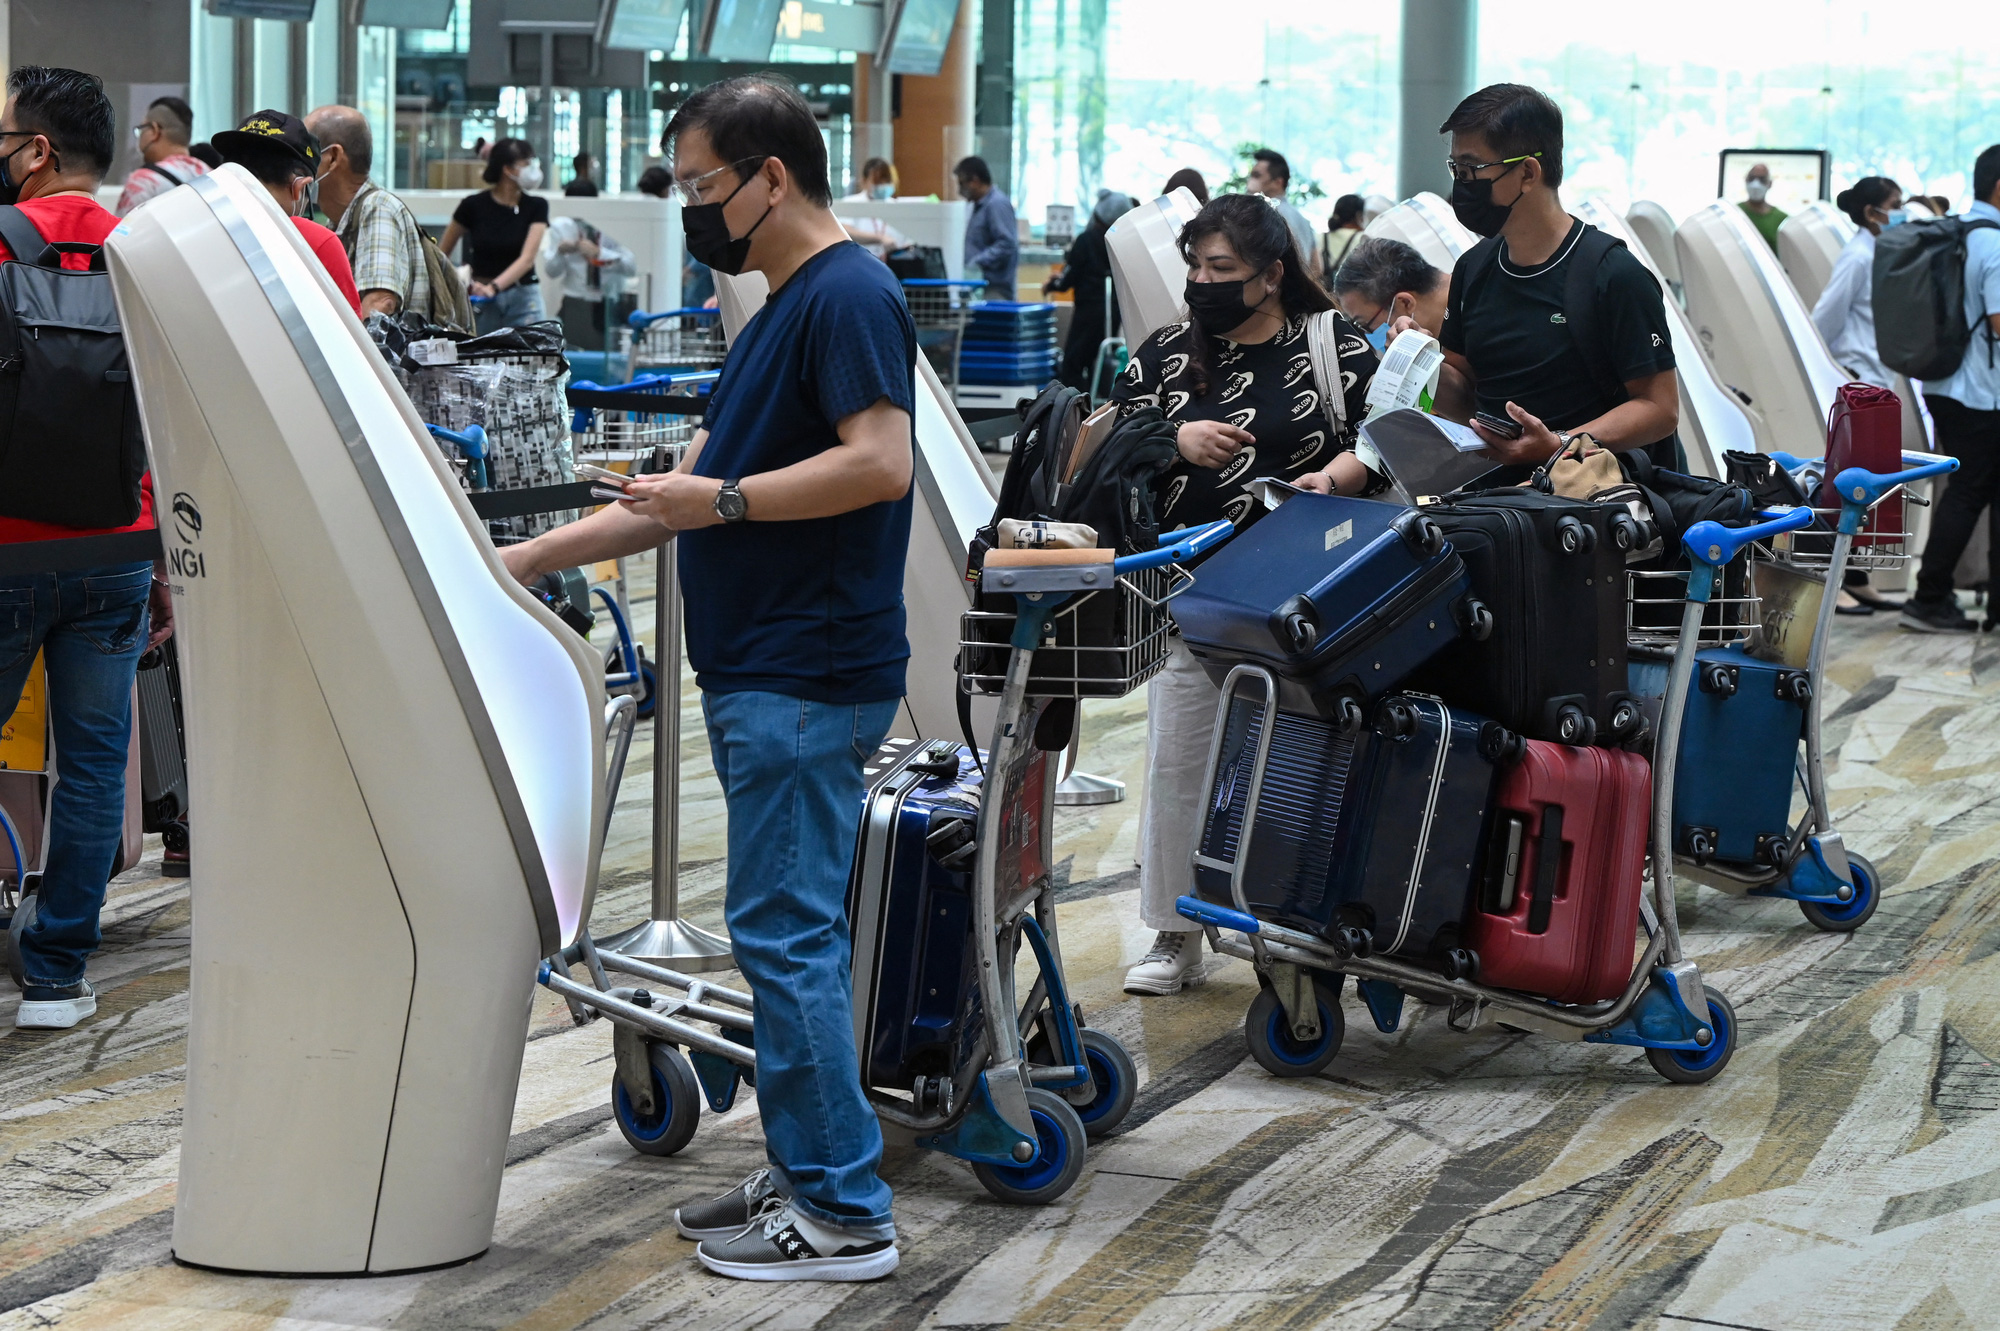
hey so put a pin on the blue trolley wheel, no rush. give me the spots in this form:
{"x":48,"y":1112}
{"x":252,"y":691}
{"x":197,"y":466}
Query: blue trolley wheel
{"x":1113,"y":1078}
{"x":1270,"y":1037}
{"x":1845,"y":919}
{"x":676,"y":1105}
{"x":1058,"y":1161}
{"x":1691,"y":1067}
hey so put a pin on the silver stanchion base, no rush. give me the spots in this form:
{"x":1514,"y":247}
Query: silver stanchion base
{"x":675,"y":944}
{"x":1083,"y":788}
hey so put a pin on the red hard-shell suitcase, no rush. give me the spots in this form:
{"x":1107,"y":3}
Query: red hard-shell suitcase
{"x":1865,"y":429}
{"x":1558,"y":907}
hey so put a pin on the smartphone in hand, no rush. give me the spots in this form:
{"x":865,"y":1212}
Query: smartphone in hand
{"x":1504,"y":426}
{"x":602,"y":475}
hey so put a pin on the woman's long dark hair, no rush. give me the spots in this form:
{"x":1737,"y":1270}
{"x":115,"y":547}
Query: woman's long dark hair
{"x":1260,"y":236}
{"x":1867,"y":192}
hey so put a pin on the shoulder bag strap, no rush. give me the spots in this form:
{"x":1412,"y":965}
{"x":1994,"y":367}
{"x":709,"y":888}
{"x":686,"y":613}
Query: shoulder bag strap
{"x":171,"y":179}
{"x":25,"y":239}
{"x":1323,"y":344}
{"x":1580,"y":307}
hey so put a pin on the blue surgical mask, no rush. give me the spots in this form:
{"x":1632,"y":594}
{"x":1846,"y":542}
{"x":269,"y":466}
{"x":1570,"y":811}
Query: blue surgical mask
{"x":881,"y":191}
{"x":1896,"y":217}
{"x":1379,"y":339}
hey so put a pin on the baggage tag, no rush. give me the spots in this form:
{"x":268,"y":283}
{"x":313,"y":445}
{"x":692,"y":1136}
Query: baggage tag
{"x":1271,"y":492}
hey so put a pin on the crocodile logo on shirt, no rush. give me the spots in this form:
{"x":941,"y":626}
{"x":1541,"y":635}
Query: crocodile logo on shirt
{"x":1557,"y":318}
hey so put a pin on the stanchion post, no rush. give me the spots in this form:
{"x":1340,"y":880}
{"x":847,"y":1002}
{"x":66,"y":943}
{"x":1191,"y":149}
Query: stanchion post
{"x":665,"y":939}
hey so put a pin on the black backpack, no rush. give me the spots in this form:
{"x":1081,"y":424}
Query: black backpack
{"x":1580,"y":312}
{"x":1918,"y":287}
{"x":71,"y":451}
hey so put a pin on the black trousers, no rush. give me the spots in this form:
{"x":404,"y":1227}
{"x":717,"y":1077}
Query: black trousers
{"x":1973,"y":437}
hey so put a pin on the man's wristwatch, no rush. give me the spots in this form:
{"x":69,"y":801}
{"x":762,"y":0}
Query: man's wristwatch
{"x":730,"y":505}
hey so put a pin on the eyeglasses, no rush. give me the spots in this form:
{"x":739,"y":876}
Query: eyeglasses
{"x":139,"y":130}
{"x":689,"y":191}
{"x":1467,"y":170}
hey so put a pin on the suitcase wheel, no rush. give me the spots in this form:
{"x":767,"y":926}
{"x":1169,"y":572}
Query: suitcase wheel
{"x":1625,"y":532}
{"x":1348,"y":717}
{"x":1270,"y":1037}
{"x":1421,"y":533}
{"x":1718,"y":679}
{"x":1691,"y":1067}
{"x":1699,"y":843}
{"x":1851,"y":915}
{"x":1626,"y":718}
{"x":1572,"y":726}
{"x":1459,"y":963}
{"x":1574,"y":537}
{"x":1476,"y":622}
{"x":1396,"y":719}
{"x":1058,"y":1159}
{"x":1354,"y":942}
{"x":1794,"y":686}
{"x":676,"y":1105}
{"x":1298,"y":625}
{"x":1498,"y":745}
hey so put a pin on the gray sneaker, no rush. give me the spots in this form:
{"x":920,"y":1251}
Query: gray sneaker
{"x":44,"y":1008}
{"x":727,"y":1215}
{"x":784,"y":1245}
{"x":1935,"y":617}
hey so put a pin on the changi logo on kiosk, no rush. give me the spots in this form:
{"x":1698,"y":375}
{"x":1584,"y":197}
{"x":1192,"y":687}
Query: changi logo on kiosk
{"x":184,"y":560}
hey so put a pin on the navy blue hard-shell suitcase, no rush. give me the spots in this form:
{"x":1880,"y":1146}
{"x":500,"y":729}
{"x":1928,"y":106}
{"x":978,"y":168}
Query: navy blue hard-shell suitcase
{"x":1338,"y":598}
{"x":1376,"y":839}
{"x":1738,"y":761}
{"x":909,"y":912}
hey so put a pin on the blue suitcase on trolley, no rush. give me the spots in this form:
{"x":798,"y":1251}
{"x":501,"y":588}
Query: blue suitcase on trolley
{"x":1338,"y":598}
{"x":1740,"y":738}
{"x":909,"y":912}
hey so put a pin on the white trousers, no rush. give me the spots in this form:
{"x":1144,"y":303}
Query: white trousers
{"x":1180,"y":725}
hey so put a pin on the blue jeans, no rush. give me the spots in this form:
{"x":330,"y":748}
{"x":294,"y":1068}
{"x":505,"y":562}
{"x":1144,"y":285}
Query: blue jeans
{"x":791,"y":777}
{"x":91,"y":624}
{"x":511,"y":308}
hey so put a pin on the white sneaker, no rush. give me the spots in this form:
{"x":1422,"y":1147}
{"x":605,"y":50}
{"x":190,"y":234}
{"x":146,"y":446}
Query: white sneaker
{"x":1173,"y":964}
{"x":48,"y":1009}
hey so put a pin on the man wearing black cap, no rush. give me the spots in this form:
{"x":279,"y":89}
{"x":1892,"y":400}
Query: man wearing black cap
{"x":284,"y":156}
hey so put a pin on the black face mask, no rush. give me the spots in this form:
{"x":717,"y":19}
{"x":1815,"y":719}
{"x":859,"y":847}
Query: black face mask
{"x":1472,"y":203}
{"x":708,"y":238}
{"x":10,"y":188}
{"x":1218,"y":307}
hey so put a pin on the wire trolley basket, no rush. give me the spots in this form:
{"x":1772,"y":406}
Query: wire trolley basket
{"x":1654,"y":599}
{"x":1099,"y":645}
{"x":940,"y":307}
{"x":609,"y":436}
{"x":681,"y":339}
{"x":1882,"y":543}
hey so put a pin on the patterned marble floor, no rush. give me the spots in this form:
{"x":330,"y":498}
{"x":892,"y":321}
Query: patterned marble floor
{"x":1843,"y":1173}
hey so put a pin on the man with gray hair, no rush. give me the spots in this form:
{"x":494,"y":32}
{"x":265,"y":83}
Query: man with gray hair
{"x":163,"y":148}
{"x":381,"y":236}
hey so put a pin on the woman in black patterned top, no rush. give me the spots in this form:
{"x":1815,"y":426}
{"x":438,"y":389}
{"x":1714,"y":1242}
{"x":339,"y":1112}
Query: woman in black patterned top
{"x":1238,"y":376}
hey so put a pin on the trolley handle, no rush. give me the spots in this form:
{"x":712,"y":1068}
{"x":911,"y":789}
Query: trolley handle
{"x":470,"y":441}
{"x":1862,"y":488}
{"x":1714,"y":544}
{"x":639,"y":321}
{"x":1176,"y":547}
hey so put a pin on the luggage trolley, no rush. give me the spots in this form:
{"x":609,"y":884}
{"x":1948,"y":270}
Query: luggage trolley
{"x":940,"y":308}
{"x":1807,"y":862}
{"x":687,"y":339}
{"x":1295,"y":1024}
{"x":1027,"y":1084}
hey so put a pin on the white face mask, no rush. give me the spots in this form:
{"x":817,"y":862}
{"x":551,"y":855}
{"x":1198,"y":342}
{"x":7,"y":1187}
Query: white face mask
{"x":530,"y":177}
{"x":1757,"y":189}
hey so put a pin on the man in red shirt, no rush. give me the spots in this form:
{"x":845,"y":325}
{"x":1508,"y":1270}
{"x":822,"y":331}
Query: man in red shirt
{"x":282,"y":153}
{"x":86,"y":612}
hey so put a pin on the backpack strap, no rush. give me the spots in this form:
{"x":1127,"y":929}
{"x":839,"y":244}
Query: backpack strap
{"x":1580,"y":311}
{"x":171,"y":179}
{"x":24,"y":238}
{"x":1323,"y":345}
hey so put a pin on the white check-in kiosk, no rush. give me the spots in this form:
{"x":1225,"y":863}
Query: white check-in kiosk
{"x":1147,"y":270}
{"x":1713,"y":420}
{"x":1756,"y":329}
{"x":1653,"y":226}
{"x":955,"y":494}
{"x":1809,"y":241}
{"x":1427,"y":225}
{"x":397,"y":754}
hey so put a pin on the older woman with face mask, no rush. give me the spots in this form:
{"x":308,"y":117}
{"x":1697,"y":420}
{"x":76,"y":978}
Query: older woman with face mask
{"x":503,"y":228}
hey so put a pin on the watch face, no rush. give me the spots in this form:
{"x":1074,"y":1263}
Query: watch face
{"x":729,"y":503}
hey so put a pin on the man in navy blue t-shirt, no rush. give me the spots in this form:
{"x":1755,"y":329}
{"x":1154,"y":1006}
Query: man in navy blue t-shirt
{"x":792,"y":512}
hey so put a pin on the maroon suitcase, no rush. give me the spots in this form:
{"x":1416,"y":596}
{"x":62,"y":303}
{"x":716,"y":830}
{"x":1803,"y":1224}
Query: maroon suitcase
{"x":1558,"y":906}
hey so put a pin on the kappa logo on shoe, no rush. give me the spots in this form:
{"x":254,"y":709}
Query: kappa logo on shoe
{"x":793,"y":1244}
